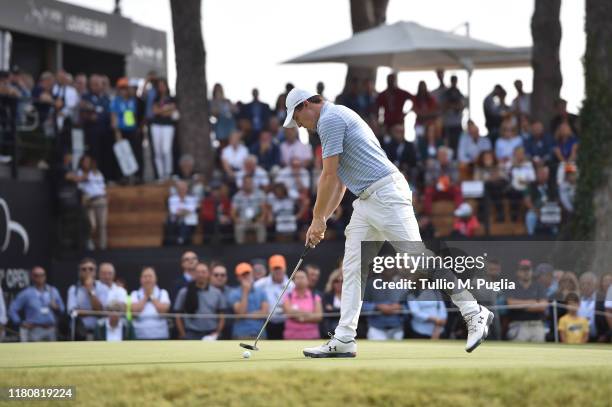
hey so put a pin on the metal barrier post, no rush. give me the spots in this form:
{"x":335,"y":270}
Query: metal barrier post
{"x":555,"y":322}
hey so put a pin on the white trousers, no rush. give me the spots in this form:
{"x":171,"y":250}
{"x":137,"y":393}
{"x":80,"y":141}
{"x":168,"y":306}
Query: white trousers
{"x":162,"y":136}
{"x":386,"y":215}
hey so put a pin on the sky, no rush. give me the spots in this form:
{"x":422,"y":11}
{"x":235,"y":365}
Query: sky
{"x":247,"y":40}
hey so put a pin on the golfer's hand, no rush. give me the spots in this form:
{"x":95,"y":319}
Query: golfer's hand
{"x":315,"y":232}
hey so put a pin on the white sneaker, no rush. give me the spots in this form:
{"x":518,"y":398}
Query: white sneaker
{"x":334,"y":348}
{"x":478,"y":328}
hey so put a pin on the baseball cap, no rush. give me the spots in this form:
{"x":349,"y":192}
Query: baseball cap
{"x":277,"y":261}
{"x":525,"y":264}
{"x":294,"y":98}
{"x":544,"y":268}
{"x":123,"y":82}
{"x":242,"y":268}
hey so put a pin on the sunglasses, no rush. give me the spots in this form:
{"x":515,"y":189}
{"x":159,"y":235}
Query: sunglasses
{"x":219,"y":275}
{"x":87,"y":268}
{"x":37,"y":275}
{"x":189,"y":258}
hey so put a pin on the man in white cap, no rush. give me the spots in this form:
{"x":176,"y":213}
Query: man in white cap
{"x":353,"y":159}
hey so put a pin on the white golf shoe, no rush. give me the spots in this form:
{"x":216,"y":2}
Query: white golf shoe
{"x":478,"y":328}
{"x":334,"y":348}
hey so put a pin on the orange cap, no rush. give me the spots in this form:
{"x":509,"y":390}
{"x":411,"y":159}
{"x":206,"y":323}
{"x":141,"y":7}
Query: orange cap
{"x":242,"y":268}
{"x":123,"y":82}
{"x":277,"y":261}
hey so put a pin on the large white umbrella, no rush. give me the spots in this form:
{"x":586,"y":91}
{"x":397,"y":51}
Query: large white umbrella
{"x":408,"y":46}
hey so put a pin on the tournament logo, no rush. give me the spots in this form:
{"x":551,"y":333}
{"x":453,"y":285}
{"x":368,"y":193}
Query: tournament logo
{"x":9,"y":227}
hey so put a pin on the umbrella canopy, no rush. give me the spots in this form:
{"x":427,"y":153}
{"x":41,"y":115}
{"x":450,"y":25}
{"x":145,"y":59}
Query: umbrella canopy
{"x":408,"y":46}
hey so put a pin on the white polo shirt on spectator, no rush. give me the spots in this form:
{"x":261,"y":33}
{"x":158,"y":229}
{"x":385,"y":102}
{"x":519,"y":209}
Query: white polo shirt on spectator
{"x":235,"y":156}
{"x":189,"y":203}
{"x":93,"y":186}
{"x":148,"y":325}
{"x":296,"y":149}
{"x":608,"y":303}
{"x":260,"y":178}
{"x":469,"y":149}
{"x":292,"y":181}
{"x":111,"y":294}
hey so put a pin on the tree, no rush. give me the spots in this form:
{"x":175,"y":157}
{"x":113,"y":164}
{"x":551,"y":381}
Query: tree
{"x":365,"y":14}
{"x":592,"y":219}
{"x":191,"y":86}
{"x":547,"y":79}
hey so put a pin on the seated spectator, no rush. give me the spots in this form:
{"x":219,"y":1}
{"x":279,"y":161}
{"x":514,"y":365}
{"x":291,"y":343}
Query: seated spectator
{"x":573,"y":329}
{"x":248,"y":302}
{"x":472,"y":145}
{"x":529,"y":304}
{"x":543,"y":210}
{"x":590,"y":303}
{"x":260,"y":269}
{"x":429,"y":143}
{"x":249,"y":212}
{"x":277,"y":131}
{"x":114,"y":327}
{"x":85,"y":296}
{"x":200,"y":297}
{"x":566,"y":148}
{"x":295,"y":178}
{"x":495,"y":181}
{"x":187,"y":174}
{"x":539,"y":144}
{"x":266,"y":151}
{"x":303,"y":310}
{"x":233,"y":155}
{"x":441,"y":180}
{"x":400,"y":151}
{"x":223,"y":110}
{"x":272,"y":285}
{"x":508,"y":142}
{"x":182,"y":215}
{"x":148,"y":302}
{"x":428,"y":314}
{"x":282,"y":213}
{"x":389,"y":324}
{"x":522,"y":175}
{"x":41,"y":306}
{"x":292,"y":147}
{"x":216,"y":213}
{"x":466,"y":224}
{"x":452,"y":104}
{"x":332,"y":299}
{"x":91,"y":182}
{"x":251,"y":169}
{"x":567,"y":188}
{"x":110,"y":292}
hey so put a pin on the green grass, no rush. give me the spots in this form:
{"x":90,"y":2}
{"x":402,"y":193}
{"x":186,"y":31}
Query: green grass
{"x":408,"y":373}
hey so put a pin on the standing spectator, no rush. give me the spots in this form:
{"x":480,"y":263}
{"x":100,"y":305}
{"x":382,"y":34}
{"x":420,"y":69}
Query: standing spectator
{"x":495,"y":109}
{"x":257,"y":112}
{"x":272,"y":285}
{"x":367,"y":100}
{"x":41,"y":304}
{"x":350,"y":96}
{"x":85,"y":296}
{"x":251,"y":169}
{"x":424,"y":105}
{"x":539,"y":145}
{"x":400,"y":151}
{"x":223,"y":110}
{"x":442,"y":180}
{"x":91,"y":182}
{"x":110,"y":292}
{"x":248,"y":212}
{"x":428,"y":314}
{"x":490,"y":298}
{"x":608,"y":308}
{"x":260,"y":269}
{"x":3,"y":317}
{"x":248,"y":302}
{"x":114,"y":327}
{"x":182,"y":214}
{"x":233,"y":155}
{"x":438,"y":93}
{"x":148,"y":302}
{"x":566,"y":149}
{"x":189,"y":261}
{"x":303,"y":310}
{"x":522,"y":175}
{"x":42,"y":98}
{"x":392,"y":101}
{"x":466,"y":224}
{"x":509,"y":141}
{"x":563,"y":116}
{"x":66,"y":100}
{"x":200,"y":297}
{"x":313,"y":272}
{"x":266,"y":151}
{"x":521,"y":105}
{"x":124,"y":120}
{"x":282,"y":213}
{"x":332,"y":300}
{"x":573,"y":328}
{"x":567,"y":188}
{"x":95,"y":119}
{"x":544,"y":275}
{"x":165,"y":114}
{"x":452,"y":105}
{"x":543,"y":211}
{"x":292,"y":147}
{"x":295,"y":178}
{"x":216,"y":213}
{"x":526,"y":321}
{"x":149,"y":92}
{"x":590,"y":304}
{"x":280,"y":110}
{"x":471,"y":145}
{"x":568,"y":283}
{"x":389,"y":323}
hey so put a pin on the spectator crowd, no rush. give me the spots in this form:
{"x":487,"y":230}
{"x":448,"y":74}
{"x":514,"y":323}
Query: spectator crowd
{"x":201,"y":304}
{"x":265,"y":176}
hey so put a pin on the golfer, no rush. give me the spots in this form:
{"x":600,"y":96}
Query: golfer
{"x":353,"y":159}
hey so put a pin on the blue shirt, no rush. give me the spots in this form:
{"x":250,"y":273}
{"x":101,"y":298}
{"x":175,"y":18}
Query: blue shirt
{"x":35,"y":304}
{"x":247,"y":327}
{"x":362,"y":159}
{"x":426,"y":305}
{"x":78,"y":298}
{"x":125,"y":111}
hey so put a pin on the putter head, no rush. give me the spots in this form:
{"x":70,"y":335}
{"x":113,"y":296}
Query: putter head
{"x":250,"y":347}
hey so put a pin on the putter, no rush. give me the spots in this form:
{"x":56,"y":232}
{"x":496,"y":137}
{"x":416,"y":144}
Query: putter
{"x":254,"y":346}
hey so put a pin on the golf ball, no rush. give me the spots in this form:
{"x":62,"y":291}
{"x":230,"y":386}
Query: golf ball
{"x":246,"y":354}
